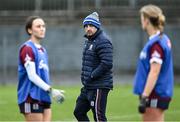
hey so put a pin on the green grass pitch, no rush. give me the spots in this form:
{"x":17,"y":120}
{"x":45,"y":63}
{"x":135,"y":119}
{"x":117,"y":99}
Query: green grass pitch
{"x":121,"y":106}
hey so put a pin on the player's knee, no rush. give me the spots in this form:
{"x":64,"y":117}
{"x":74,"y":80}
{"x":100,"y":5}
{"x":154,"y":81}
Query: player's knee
{"x":76,"y":113}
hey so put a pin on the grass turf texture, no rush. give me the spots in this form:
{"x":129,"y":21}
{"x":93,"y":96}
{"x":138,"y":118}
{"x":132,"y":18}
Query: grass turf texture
{"x":121,"y":106}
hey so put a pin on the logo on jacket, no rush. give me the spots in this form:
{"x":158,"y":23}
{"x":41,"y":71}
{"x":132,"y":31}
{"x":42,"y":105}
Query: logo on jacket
{"x":43,"y":65}
{"x":85,"y":46}
{"x":90,"y":47}
{"x":143,"y":55}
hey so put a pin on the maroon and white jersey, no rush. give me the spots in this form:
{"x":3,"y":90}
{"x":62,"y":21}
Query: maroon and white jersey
{"x":27,"y":54}
{"x":156,"y":54}
{"x":27,"y":58}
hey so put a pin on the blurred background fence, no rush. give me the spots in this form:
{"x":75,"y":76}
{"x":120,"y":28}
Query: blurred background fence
{"x":64,"y":38}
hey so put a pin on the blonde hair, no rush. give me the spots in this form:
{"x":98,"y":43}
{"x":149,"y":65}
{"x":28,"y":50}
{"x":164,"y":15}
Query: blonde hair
{"x":155,"y":15}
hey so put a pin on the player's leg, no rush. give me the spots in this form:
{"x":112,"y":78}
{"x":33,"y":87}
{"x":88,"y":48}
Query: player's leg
{"x":82,"y":107}
{"x":39,"y":112}
{"x":47,"y":112}
{"x":31,"y":111}
{"x":47,"y":115}
{"x":32,"y":117}
{"x":153,"y":114}
{"x":155,"y":109}
{"x":99,"y":108}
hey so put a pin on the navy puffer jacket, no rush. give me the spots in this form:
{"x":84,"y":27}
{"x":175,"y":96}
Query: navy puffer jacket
{"x":97,"y":62}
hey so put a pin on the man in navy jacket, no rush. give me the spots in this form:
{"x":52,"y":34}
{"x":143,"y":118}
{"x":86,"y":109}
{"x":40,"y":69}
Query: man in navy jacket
{"x":96,"y":75}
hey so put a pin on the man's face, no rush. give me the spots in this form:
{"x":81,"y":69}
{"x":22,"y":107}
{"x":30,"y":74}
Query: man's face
{"x":90,"y":30}
{"x":38,"y":29}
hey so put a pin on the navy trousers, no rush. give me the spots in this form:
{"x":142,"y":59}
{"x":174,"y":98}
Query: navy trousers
{"x":94,"y":99}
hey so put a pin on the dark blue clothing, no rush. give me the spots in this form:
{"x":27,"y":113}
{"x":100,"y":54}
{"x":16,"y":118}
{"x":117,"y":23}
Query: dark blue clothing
{"x":96,"y":77}
{"x":97,"y":62}
{"x":94,"y":99}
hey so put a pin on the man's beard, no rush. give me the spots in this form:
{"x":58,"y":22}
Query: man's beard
{"x":89,"y":33}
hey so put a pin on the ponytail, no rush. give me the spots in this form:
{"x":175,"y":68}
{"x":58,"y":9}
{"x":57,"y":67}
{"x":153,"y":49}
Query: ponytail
{"x":155,"y":16}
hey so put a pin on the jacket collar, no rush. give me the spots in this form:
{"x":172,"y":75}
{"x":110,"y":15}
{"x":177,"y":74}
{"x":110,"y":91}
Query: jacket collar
{"x":93,"y":36}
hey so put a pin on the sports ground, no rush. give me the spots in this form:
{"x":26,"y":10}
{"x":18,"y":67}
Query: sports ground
{"x":122,"y":104}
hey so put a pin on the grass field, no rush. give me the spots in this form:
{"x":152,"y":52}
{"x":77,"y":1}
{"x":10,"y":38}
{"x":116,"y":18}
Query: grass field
{"x":122,"y":105}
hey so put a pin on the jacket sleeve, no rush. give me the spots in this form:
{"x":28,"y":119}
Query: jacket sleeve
{"x":105,"y":53}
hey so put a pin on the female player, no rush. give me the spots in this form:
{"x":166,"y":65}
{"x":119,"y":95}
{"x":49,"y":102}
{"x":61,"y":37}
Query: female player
{"x":154,"y":75}
{"x":34,"y":88}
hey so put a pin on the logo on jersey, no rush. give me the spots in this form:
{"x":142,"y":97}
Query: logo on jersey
{"x":156,"y":54}
{"x":40,"y":51}
{"x":27,"y":58}
{"x":43,"y":65}
{"x":169,"y":44}
{"x":143,"y":55}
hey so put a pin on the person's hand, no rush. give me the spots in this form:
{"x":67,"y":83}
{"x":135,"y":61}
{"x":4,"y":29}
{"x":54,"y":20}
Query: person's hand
{"x":58,"y":95}
{"x":143,"y":102}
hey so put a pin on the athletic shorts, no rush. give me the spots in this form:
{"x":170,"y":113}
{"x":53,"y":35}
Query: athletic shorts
{"x":34,"y":106}
{"x":155,"y":101}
